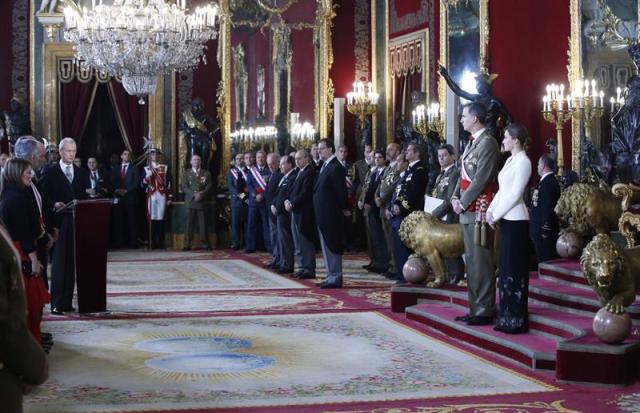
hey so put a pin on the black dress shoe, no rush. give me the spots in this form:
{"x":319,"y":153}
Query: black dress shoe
{"x":235,"y":247}
{"x":465,"y":317}
{"x":56,"y":311}
{"x":377,"y":270}
{"x":68,"y":309}
{"x":480,"y":321}
{"x":284,"y":270}
{"x":366,"y":266}
{"x":46,"y":335}
{"x":249,"y":251}
{"x":306,"y":276}
{"x":390,"y":275}
{"x":186,"y":249}
{"x":327,"y":285}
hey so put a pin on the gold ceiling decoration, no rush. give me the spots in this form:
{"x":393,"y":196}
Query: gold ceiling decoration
{"x":274,"y":8}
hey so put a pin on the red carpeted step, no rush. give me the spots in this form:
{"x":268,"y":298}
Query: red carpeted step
{"x":566,"y":270}
{"x":533,"y":350}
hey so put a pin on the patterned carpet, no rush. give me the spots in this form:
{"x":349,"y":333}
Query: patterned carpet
{"x":256,"y":361}
{"x":194,"y":332}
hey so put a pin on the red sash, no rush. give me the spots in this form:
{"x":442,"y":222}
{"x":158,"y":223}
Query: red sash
{"x":487,"y":194}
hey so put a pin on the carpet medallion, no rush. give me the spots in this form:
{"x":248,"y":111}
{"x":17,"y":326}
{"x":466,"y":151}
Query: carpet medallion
{"x":281,"y":300}
{"x":201,"y":275}
{"x":253,"y":361}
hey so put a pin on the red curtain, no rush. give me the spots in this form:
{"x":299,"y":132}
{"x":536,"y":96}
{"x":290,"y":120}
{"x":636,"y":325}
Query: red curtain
{"x":76,"y":101}
{"x":131,"y":117}
{"x":404,"y":7}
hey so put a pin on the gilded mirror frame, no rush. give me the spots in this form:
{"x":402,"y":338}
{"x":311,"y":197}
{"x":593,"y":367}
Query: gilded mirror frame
{"x":444,"y":48}
{"x":324,"y":96}
{"x":576,"y":71}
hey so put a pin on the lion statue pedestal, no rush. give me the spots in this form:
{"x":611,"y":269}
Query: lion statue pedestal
{"x":433,"y":241}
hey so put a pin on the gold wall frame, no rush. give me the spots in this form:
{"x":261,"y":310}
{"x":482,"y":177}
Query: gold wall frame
{"x":324,"y":111}
{"x":575,"y":71}
{"x":49,"y":110}
{"x":484,"y":65}
{"x":398,"y":52}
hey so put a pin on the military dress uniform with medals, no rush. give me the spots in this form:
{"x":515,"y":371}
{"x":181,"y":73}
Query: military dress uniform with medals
{"x":475,"y":189}
{"x":258,"y":225}
{"x":409,"y":197}
{"x":192,"y":182}
{"x":390,"y":179}
{"x":445,"y":186}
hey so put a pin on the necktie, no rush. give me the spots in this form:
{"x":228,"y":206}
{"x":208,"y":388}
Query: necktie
{"x":123,"y":172}
{"x":94,"y":176}
{"x":323,"y":166}
{"x":68,"y":173}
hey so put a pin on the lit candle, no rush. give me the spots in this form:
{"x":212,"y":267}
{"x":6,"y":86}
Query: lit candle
{"x":544,"y":103}
{"x":613,"y":103}
{"x":594,"y":93}
{"x":618,"y":91}
{"x":601,"y":99}
{"x":568,"y":102}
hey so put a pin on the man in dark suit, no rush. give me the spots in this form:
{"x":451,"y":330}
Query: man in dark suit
{"x":409,"y":197}
{"x":303,"y":223}
{"x":285,"y":237}
{"x":330,"y":205}
{"x":273,"y":162}
{"x":316,"y":161}
{"x":258,"y":225}
{"x":445,"y":185}
{"x":125,"y":181}
{"x":543,"y":224}
{"x":61,"y":184}
{"x":238,"y":193}
{"x":99,"y":180}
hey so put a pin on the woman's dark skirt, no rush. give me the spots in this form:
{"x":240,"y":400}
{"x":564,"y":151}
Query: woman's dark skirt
{"x":513,"y":277}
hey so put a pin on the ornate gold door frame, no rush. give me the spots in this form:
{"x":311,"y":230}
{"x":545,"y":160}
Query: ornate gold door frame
{"x":324,"y":110}
{"x":576,"y":72}
{"x":444,"y":47}
{"x":50,"y":110}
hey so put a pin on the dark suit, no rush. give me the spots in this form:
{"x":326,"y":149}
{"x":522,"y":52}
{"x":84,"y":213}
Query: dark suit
{"x":283,"y":220}
{"x":409,"y":197}
{"x":269,"y":196}
{"x":543,"y":220}
{"x":303,"y":222}
{"x":56,"y":188}
{"x":124,"y":213}
{"x":329,"y":200}
{"x":258,"y":222}
{"x":445,"y":186}
{"x":100,"y":182}
{"x":237,"y":187}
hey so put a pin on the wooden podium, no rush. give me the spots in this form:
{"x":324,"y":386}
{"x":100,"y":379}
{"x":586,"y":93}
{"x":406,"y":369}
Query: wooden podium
{"x":91,"y":227}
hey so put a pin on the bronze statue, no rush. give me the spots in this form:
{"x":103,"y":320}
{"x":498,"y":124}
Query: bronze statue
{"x":197,"y":129}
{"x":587,"y":209}
{"x":496,"y":111}
{"x":613,"y":273}
{"x":625,"y":127}
{"x":15,"y":121}
{"x":432,"y":240}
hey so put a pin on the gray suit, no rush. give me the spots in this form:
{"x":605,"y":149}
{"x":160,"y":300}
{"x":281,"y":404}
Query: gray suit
{"x":480,"y":161}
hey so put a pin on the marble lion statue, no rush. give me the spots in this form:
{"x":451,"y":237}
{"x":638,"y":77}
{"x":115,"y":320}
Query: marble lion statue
{"x":613,"y":273}
{"x":585,"y":209}
{"x":433,"y":241}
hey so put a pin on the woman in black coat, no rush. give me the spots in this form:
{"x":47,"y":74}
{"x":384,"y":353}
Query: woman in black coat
{"x":22,"y":219}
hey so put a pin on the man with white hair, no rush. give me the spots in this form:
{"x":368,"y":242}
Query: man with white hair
{"x":62,"y":183}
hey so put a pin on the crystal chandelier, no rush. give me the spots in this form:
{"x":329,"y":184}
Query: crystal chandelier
{"x":136,"y":40}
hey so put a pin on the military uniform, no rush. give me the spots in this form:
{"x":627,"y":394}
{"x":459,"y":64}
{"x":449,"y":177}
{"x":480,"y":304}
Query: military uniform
{"x":409,"y":197}
{"x":360,"y":173}
{"x":390,"y":178}
{"x":158,"y":187}
{"x":475,"y":190}
{"x":238,"y":197}
{"x":445,"y":185}
{"x":193,"y":182}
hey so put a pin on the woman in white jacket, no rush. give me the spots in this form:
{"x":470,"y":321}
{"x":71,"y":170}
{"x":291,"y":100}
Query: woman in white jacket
{"x":509,"y":211}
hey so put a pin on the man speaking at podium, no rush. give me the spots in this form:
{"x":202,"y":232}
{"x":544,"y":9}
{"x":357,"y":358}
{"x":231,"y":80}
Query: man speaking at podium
{"x":62,"y":183}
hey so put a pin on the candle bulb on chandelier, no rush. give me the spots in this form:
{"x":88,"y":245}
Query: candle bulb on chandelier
{"x":601,"y":99}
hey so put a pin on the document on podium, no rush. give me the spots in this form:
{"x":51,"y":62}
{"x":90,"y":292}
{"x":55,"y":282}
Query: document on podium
{"x":431,"y":203}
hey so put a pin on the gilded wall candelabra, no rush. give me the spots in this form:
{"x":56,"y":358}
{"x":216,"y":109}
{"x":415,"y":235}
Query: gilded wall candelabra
{"x":303,"y":135}
{"x":427,"y":119}
{"x":251,"y":139}
{"x":554,"y":112}
{"x":362,"y":101}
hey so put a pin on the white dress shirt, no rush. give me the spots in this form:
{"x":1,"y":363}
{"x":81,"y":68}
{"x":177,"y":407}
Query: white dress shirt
{"x":512,"y":179}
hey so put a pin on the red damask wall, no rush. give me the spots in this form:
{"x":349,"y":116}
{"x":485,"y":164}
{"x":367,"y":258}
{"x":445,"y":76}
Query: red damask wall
{"x":6,"y":57}
{"x":528,"y":49}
